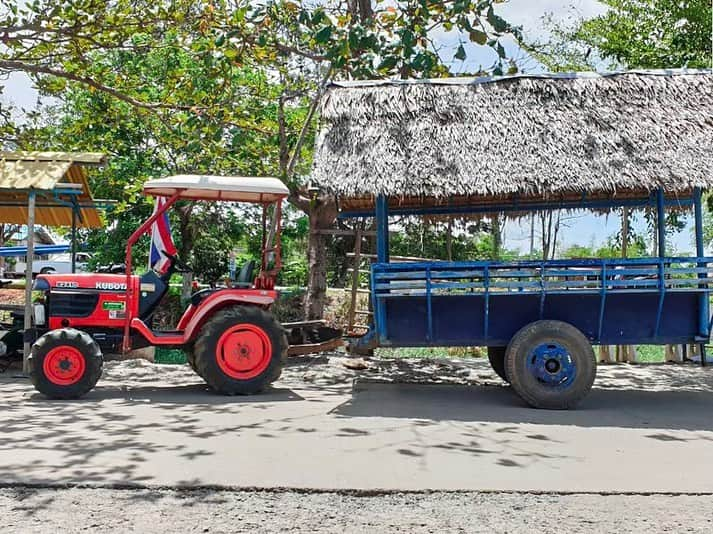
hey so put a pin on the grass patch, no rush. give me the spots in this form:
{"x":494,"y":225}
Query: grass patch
{"x":431,"y":352}
{"x":169,"y":356}
{"x":650,"y":353}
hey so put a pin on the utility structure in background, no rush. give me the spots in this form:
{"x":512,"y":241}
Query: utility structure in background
{"x":51,"y":189}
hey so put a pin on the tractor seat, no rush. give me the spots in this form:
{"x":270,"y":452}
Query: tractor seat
{"x":243,"y":281}
{"x":245,"y":276}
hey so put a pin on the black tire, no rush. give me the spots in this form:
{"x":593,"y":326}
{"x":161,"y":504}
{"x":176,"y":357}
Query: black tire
{"x":47,"y":270}
{"x":206,"y":351}
{"x":78,"y":342}
{"x":496,"y":357}
{"x":534,"y":348}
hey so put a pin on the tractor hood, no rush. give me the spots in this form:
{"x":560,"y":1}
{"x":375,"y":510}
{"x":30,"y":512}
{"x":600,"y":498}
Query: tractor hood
{"x":100,"y":282}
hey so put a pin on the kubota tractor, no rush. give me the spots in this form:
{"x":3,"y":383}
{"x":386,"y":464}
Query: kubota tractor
{"x":229,"y":335}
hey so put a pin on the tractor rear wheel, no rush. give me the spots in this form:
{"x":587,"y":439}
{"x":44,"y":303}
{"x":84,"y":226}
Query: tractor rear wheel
{"x":496,"y":357}
{"x":65,"y":363}
{"x":190,"y":352}
{"x":240,"y":350}
{"x":550,"y":364}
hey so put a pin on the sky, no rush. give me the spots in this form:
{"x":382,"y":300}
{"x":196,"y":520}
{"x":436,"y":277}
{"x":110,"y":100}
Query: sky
{"x":581,"y":228}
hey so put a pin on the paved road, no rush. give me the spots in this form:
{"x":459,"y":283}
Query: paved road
{"x":641,"y":430}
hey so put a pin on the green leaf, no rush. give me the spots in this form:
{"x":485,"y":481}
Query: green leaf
{"x":478,"y":36}
{"x":323,"y":35}
{"x":388,"y":63}
{"x":497,"y":22}
{"x":460,"y":53}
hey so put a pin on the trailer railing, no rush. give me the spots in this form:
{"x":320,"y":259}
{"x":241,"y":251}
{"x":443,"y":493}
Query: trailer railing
{"x":548,"y":277}
{"x":601,"y":277}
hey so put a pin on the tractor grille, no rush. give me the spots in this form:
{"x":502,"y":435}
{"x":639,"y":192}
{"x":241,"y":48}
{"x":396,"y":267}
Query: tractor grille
{"x":77,"y":304}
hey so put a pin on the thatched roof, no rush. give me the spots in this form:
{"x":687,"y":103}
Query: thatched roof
{"x":551,"y":136}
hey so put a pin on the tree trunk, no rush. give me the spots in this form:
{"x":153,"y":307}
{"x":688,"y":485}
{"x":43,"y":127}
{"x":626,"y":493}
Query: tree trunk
{"x":322,"y":214}
{"x":497,"y":236}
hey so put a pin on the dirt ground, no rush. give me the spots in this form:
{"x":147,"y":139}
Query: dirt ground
{"x":168,"y":511}
{"x":15,"y":297}
{"x":349,"y":442}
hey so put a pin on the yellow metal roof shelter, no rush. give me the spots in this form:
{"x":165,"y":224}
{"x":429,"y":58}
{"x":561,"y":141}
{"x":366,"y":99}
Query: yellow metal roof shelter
{"x":48,"y":188}
{"x":59,"y":179}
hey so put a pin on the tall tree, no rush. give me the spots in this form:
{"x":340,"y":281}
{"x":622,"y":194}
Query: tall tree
{"x":301,"y":45}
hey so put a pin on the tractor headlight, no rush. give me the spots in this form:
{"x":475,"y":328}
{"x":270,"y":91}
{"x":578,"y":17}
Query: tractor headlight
{"x":38,"y":313}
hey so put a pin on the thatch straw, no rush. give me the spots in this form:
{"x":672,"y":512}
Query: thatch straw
{"x":526,"y":135}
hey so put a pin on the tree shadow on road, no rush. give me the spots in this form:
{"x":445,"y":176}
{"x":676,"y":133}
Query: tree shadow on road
{"x":626,"y":408}
{"x":193,"y":394}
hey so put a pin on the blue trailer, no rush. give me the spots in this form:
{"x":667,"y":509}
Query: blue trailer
{"x":539,"y":319}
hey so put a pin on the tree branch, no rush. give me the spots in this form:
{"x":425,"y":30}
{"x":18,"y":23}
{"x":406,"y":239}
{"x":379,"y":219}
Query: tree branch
{"x":40,"y":69}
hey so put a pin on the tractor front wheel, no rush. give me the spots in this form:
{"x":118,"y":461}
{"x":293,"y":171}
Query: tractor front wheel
{"x":240,"y":350}
{"x":65,"y":363}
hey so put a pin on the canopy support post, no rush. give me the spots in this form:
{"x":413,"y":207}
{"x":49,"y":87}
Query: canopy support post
{"x":27,"y":324}
{"x":703,"y":311}
{"x":382,"y":229}
{"x":661,"y":220}
{"x":74,"y":237}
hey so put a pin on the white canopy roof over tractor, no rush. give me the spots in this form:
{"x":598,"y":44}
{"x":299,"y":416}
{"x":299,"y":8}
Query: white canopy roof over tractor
{"x":223,"y":188}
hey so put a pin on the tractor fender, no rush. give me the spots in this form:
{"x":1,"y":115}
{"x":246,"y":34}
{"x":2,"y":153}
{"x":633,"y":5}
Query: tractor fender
{"x":195,"y":316}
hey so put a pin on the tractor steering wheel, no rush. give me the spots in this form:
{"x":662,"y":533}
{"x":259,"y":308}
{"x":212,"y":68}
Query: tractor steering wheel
{"x":177,"y":265}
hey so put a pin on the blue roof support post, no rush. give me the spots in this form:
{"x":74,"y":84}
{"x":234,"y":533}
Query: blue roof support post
{"x":661,"y":220}
{"x":703,"y":311}
{"x":382,"y":229}
{"x":382,"y":256}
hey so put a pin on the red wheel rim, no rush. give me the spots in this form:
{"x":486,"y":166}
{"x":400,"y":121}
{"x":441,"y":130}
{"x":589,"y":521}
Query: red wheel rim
{"x":244,"y":351}
{"x":64,"y":365}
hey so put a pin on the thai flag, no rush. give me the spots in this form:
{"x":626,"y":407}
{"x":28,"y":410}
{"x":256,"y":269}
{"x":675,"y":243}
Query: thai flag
{"x":160,"y":240}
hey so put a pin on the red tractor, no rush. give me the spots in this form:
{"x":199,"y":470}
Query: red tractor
{"x":231,"y":338}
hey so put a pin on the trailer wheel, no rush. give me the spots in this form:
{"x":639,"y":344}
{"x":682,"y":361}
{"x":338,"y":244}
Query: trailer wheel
{"x":65,"y":363}
{"x":550,"y":365}
{"x":496,"y":357}
{"x":240,"y":350}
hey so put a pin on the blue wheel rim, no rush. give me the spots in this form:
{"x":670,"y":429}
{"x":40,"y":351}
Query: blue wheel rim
{"x":552,"y":365}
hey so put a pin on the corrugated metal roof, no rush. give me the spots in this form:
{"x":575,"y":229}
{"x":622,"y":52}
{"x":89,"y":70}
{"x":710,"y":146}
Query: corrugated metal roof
{"x":85,"y":158}
{"x":25,"y":174}
{"x":42,"y":171}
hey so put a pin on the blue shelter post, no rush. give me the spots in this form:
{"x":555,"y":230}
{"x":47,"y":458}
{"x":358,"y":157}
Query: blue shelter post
{"x":703,"y":312}
{"x":382,"y":256}
{"x":382,"y":229}
{"x":661,"y":220}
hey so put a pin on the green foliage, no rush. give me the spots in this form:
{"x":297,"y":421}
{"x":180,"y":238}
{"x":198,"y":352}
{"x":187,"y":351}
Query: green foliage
{"x":651,"y":33}
{"x":635,"y":249}
{"x":634,"y":34}
{"x":470,"y":240}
